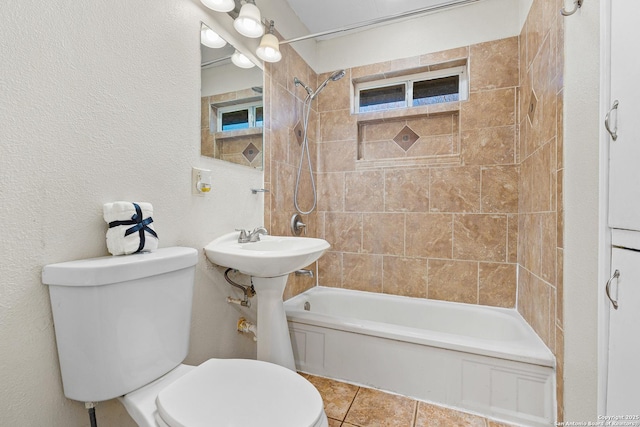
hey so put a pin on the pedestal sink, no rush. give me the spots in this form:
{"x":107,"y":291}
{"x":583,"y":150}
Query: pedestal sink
{"x":269,"y":262}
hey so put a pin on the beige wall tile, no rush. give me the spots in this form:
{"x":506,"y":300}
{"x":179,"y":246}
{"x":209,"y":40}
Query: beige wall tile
{"x":362,"y":272}
{"x":548,"y":247}
{"x":337,"y":156}
{"x":377,"y":150}
{"x":455,"y":189}
{"x":437,"y":124}
{"x":281,"y":112}
{"x":406,"y":190}
{"x":381,"y":131}
{"x":330,"y":188}
{"x":404,"y":276}
{"x":536,"y":189}
{"x":434,"y":146}
{"x":499,"y":189}
{"x":429,"y":235}
{"x":480,"y":237}
{"x":343,"y":231}
{"x":494,"y":64}
{"x":338,"y":125}
{"x":335,"y":96}
{"x":512,"y":238}
{"x":364,"y":191}
{"x":453,"y":280}
{"x":488,"y":146}
{"x":330,"y":269}
{"x":490,"y":108}
{"x":534,"y":303}
{"x":383,"y":233}
{"x":530,"y":242}
{"x":497,"y":284}
{"x":444,"y":56}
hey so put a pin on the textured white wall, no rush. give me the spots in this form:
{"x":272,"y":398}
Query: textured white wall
{"x":99,"y":101}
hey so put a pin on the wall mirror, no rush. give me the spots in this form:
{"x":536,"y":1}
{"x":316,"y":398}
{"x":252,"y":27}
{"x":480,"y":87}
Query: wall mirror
{"x":231,"y":103}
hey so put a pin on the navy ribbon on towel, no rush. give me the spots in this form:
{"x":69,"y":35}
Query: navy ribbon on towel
{"x":140,"y":226}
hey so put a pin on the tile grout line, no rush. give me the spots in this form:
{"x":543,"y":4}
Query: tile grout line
{"x":350,"y":405}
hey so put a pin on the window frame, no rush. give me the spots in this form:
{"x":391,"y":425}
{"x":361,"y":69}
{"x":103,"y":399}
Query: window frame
{"x":408,"y":80}
{"x":249,"y":106}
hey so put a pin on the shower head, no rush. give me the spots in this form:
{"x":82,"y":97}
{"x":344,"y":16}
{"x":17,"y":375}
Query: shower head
{"x":335,"y":76}
{"x":299,"y":83}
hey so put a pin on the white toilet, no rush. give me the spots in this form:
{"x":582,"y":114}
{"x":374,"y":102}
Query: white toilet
{"x":122,"y":329}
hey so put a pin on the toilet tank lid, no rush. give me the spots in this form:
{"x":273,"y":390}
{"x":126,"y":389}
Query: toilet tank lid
{"x":121,"y":268}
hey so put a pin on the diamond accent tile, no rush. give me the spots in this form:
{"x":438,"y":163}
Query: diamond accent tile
{"x":299,"y":132}
{"x":406,"y":138}
{"x":250,"y":152}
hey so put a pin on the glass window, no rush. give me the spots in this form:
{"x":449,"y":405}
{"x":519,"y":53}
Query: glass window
{"x":412,"y":90}
{"x":383,"y":98}
{"x":444,"y":89}
{"x":234,"y":120}
{"x":259,"y":118}
{"x":240,"y":116}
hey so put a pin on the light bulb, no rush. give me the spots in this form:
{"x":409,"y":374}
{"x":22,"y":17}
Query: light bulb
{"x":210,"y":38}
{"x":220,"y":5}
{"x":269,"y":49}
{"x":241,"y":60}
{"x":248,"y":23}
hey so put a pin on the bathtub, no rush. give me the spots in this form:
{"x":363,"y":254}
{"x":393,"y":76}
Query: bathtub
{"x":480,"y":359}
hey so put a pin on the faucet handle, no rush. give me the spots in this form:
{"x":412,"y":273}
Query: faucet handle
{"x":261,"y":230}
{"x":243,"y":238}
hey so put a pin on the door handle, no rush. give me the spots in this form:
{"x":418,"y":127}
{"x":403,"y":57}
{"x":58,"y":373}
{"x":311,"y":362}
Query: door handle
{"x":616,"y":274}
{"x":614,"y":132}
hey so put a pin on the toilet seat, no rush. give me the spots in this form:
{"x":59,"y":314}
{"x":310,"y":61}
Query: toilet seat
{"x":240,"y":393}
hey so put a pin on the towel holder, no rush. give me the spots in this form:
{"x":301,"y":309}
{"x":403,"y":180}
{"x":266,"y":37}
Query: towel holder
{"x":577,"y":4}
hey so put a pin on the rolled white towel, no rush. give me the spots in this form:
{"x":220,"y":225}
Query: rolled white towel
{"x":130,"y":228}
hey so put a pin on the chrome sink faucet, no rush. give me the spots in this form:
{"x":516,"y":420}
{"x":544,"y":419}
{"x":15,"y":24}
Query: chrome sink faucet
{"x":251,"y":236}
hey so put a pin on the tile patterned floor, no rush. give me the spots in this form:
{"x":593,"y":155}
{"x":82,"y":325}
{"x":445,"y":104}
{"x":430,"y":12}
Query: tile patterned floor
{"x":348,"y":405}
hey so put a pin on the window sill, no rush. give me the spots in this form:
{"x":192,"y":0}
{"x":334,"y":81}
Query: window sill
{"x":237,"y":133}
{"x":423,"y":110}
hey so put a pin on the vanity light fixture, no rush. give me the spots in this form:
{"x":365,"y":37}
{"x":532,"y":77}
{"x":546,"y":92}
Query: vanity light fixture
{"x":220,"y":5}
{"x":269,"y":49}
{"x":210,"y":38}
{"x":241,"y":61}
{"x":248,"y":23}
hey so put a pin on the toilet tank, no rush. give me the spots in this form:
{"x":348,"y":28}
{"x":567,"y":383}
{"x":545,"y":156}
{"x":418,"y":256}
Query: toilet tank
{"x":120,"y":321}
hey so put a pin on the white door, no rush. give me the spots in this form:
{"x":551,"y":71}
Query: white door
{"x":624,"y":202}
{"x":623,"y":388}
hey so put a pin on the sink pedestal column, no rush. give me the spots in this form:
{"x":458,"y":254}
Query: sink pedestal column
{"x":274,"y":342}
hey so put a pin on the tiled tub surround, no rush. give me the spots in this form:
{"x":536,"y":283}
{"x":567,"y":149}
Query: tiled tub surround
{"x":457,"y":232}
{"x":540,"y":243}
{"x":423,"y":202}
{"x":480,"y":359}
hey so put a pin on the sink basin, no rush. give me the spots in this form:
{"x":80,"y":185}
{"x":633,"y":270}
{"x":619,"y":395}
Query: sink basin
{"x":270,"y":257}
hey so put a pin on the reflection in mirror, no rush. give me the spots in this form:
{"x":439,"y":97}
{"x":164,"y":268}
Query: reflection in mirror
{"x":231,"y":104}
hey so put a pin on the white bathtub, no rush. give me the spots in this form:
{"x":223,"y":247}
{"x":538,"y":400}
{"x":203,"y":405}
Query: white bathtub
{"x":481,"y":359}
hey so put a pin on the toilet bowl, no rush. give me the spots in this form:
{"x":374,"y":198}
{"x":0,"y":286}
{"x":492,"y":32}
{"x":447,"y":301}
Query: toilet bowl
{"x":227,"y":392}
{"x":122,"y":330}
